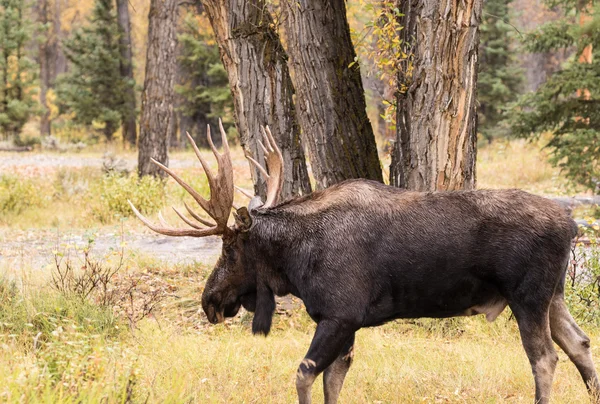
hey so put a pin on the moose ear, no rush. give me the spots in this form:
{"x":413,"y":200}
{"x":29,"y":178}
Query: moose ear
{"x":243,"y":220}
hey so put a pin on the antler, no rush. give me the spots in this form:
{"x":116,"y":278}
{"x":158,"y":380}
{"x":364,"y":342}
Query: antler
{"x":274,"y":161}
{"x":218,"y":206}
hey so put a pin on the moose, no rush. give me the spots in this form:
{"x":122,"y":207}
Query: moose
{"x":360,"y":253}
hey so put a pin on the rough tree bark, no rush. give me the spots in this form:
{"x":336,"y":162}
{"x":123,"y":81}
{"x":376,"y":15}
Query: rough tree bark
{"x":261,"y":86}
{"x":128,"y":124}
{"x":330,"y":99}
{"x":435,"y":147}
{"x":157,"y":97}
{"x":45,"y":58}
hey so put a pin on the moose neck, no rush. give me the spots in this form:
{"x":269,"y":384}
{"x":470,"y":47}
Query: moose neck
{"x":276,"y":245}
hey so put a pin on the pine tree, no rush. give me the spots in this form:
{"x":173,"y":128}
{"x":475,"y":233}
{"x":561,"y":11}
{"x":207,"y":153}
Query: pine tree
{"x":17,"y":70}
{"x":499,"y":76}
{"x":568,"y":104}
{"x":204,"y":89}
{"x":94,"y":89}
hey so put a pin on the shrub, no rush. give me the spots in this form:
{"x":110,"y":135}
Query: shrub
{"x":582,"y":288}
{"x":17,"y":194}
{"x":113,"y":191}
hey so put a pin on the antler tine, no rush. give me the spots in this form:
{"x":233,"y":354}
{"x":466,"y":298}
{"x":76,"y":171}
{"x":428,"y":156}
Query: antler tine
{"x":267,"y":139}
{"x":274,"y":160}
{"x":262,"y":146}
{"x":185,"y":219}
{"x":169,"y":231}
{"x":244,"y":192}
{"x":209,"y":173}
{"x":197,"y":197}
{"x":196,"y":216}
{"x":223,"y":137}
{"x":258,"y":166}
{"x":162,"y":220}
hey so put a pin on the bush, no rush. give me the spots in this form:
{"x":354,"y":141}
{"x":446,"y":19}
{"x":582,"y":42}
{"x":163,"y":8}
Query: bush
{"x":582,"y":288}
{"x":113,"y":191}
{"x":17,"y":194}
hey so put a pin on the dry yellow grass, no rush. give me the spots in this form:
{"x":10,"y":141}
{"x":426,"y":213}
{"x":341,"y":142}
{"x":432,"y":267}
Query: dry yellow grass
{"x":519,"y":164}
{"x":483,"y":365}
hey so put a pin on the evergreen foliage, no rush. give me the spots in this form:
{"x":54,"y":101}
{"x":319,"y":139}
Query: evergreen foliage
{"x":17,"y":70}
{"x":205,"y":86}
{"x":568,"y":104}
{"x":94,"y":90}
{"x":499,"y":76}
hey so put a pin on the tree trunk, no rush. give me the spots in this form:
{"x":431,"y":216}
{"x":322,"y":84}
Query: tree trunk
{"x":435,"y":147}
{"x":128,"y":125}
{"x":261,"y":86}
{"x":59,"y":58}
{"x":330,"y":96}
{"x":158,"y":118}
{"x":45,"y":55}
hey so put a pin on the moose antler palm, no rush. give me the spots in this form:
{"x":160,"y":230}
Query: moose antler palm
{"x":221,"y":187}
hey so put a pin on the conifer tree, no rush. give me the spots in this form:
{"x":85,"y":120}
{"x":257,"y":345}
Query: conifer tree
{"x":17,"y":70}
{"x":568,"y":104}
{"x":499,"y":76}
{"x":204,"y":87}
{"x":94,"y":89}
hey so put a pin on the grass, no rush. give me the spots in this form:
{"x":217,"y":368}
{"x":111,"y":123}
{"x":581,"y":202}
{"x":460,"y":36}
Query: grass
{"x":59,"y":348}
{"x":75,"y":359}
{"x":485,"y":364}
{"x":520,"y":164}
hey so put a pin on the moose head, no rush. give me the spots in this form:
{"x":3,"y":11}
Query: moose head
{"x":232,"y":283}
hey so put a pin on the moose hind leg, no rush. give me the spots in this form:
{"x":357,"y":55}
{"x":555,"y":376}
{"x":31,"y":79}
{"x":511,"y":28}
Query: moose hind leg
{"x":333,"y":377}
{"x":567,"y":334}
{"x":327,"y":344}
{"x":537,"y":341}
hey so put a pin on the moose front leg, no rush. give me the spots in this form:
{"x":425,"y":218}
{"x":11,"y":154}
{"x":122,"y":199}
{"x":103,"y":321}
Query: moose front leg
{"x":333,"y":377}
{"x":331,"y":337}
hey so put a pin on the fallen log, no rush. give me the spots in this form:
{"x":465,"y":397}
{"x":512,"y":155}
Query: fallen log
{"x":574,"y":201}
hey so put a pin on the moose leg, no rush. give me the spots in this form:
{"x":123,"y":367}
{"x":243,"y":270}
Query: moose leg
{"x":333,"y":377}
{"x":535,"y":335}
{"x":574,"y":343}
{"x":328,"y":342}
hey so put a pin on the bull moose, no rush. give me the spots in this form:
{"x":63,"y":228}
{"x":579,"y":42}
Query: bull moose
{"x":361,"y":253}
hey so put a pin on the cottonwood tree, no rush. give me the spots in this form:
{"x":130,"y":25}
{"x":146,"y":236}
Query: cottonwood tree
{"x":330,"y":100}
{"x":260,"y":83}
{"x":158,"y":118}
{"x":128,"y":124}
{"x":435,"y":147}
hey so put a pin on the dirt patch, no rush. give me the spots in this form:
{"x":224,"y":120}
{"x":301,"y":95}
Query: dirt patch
{"x":35,"y":248}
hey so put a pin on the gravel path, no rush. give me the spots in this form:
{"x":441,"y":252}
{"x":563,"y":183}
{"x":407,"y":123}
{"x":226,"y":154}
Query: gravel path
{"x":35,"y":248}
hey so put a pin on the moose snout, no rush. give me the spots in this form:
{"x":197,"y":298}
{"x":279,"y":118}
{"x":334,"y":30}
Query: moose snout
{"x":214,"y":316}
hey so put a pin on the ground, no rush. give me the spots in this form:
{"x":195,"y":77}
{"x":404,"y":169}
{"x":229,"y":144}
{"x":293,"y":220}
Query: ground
{"x":152,"y":343}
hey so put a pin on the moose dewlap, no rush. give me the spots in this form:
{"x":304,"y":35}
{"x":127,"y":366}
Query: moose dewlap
{"x":360,"y":253}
